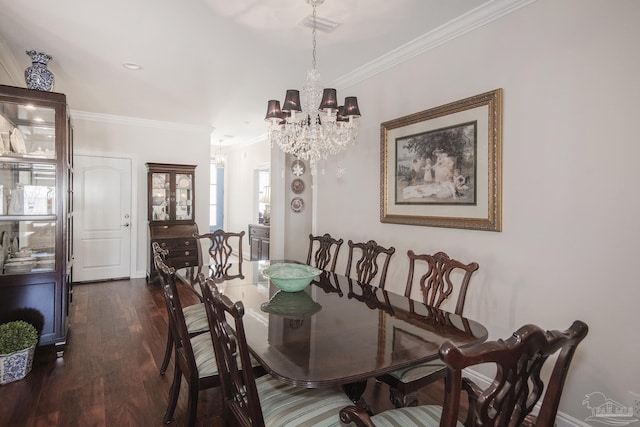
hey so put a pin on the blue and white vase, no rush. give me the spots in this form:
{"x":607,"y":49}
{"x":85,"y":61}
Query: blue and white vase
{"x":38,"y":75}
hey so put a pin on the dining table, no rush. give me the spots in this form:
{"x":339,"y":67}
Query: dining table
{"x":337,"y":331}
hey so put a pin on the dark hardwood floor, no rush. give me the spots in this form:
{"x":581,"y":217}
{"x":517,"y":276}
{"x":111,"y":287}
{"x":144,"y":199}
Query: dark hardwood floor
{"x":109,"y":375}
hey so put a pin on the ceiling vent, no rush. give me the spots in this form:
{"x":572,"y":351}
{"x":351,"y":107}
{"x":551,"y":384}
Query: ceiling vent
{"x":322,"y":24}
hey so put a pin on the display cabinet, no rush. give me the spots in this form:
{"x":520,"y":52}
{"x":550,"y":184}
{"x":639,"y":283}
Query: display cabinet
{"x":36,"y":174}
{"x":259,"y":242}
{"x":171,"y":205}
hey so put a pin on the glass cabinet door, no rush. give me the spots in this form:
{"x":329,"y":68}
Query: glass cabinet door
{"x":27,"y":246}
{"x":27,"y":131}
{"x":161,"y":196}
{"x":184,"y":196}
{"x":28,"y":210}
{"x":171,"y":196}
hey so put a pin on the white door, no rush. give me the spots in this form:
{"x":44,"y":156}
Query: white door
{"x":101,"y":218}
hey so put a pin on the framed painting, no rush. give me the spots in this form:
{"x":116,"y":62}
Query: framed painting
{"x":443,"y":167}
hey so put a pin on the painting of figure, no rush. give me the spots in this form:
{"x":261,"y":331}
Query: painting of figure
{"x":438,"y":166}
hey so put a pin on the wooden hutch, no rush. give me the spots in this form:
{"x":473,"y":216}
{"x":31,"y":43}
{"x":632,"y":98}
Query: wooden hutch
{"x":171,"y":214}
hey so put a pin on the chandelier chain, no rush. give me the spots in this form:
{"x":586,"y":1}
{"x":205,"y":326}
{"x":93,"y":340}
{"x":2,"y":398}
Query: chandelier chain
{"x":313,"y":37}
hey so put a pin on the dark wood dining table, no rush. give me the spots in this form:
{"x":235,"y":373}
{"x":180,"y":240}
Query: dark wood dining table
{"x":337,"y":331}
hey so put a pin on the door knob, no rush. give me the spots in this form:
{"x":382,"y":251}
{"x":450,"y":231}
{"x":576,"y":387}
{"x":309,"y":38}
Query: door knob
{"x":126,"y":224}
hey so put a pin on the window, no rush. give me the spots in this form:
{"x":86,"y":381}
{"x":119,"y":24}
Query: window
{"x":216,"y":197}
{"x":264,"y":196}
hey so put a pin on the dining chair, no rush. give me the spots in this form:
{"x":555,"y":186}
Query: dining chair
{"x":195,"y":316}
{"x":194,"y":357}
{"x":221,"y":252}
{"x":511,"y":396}
{"x":440,"y":277}
{"x":366,"y":267}
{"x":265,"y":400}
{"x":157,"y":250}
{"x":323,"y":251}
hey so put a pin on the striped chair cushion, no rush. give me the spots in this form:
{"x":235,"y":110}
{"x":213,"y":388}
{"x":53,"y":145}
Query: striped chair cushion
{"x":416,"y":372}
{"x":418,"y":416}
{"x":195,"y":317}
{"x":288,"y":406}
{"x":205,"y":356}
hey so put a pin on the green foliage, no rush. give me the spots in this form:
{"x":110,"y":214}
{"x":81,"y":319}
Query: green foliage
{"x":17,"y":335}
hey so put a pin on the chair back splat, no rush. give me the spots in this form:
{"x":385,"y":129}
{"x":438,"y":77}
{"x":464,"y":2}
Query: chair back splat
{"x":436,"y":284}
{"x":326,"y":253}
{"x":221,"y":250}
{"x":367,"y":267}
{"x":517,"y":385}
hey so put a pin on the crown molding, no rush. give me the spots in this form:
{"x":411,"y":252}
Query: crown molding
{"x":8,"y":63}
{"x":133,"y":121}
{"x":463,"y":24}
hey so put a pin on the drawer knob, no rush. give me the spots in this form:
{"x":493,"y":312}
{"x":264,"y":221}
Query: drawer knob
{"x":186,"y":253}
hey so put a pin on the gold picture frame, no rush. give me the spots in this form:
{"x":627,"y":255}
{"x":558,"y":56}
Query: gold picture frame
{"x":443,"y":167}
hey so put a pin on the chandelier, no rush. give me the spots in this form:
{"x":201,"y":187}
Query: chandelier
{"x":317,"y":127}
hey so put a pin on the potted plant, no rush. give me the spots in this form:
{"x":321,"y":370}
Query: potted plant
{"x":18,"y":341}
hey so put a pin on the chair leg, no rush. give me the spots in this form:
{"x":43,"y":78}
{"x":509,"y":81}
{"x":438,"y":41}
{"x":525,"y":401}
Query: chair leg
{"x":167,"y":354}
{"x":173,"y":394}
{"x":401,"y":400}
{"x":192,"y":409}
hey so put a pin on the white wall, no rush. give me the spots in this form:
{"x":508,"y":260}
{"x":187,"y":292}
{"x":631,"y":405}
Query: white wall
{"x":240,"y":191}
{"x":143,"y":142}
{"x":569,"y":70}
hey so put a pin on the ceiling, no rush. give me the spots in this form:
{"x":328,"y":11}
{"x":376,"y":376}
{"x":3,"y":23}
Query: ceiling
{"x":212,"y":63}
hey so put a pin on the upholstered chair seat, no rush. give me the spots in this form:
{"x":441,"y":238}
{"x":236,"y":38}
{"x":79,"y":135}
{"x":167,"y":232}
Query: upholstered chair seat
{"x":289,"y":406}
{"x":195,"y":317}
{"x":412,"y":416}
{"x":416,"y":372}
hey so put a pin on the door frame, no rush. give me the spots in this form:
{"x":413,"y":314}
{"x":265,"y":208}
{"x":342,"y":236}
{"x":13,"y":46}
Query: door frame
{"x":134,"y":272}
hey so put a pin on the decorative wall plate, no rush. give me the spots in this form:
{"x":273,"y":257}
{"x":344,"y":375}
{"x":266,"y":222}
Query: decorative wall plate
{"x":297,"y":204}
{"x":297,"y":186}
{"x":298,"y":167}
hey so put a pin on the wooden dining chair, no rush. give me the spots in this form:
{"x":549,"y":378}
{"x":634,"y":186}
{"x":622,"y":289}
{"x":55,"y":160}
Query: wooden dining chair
{"x":366,"y":266}
{"x":512,"y":395}
{"x":221,"y":249}
{"x":323,"y":251}
{"x":223,"y":260}
{"x":157,"y":250}
{"x":194,"y":357}
{"x":265,"y":400}
{"x":195,"y":316}
{"x":440,"y":278}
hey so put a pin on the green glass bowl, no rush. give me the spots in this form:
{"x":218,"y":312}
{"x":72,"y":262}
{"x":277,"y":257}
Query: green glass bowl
{"x":292,"y":305}
{"x":291,"y":277}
